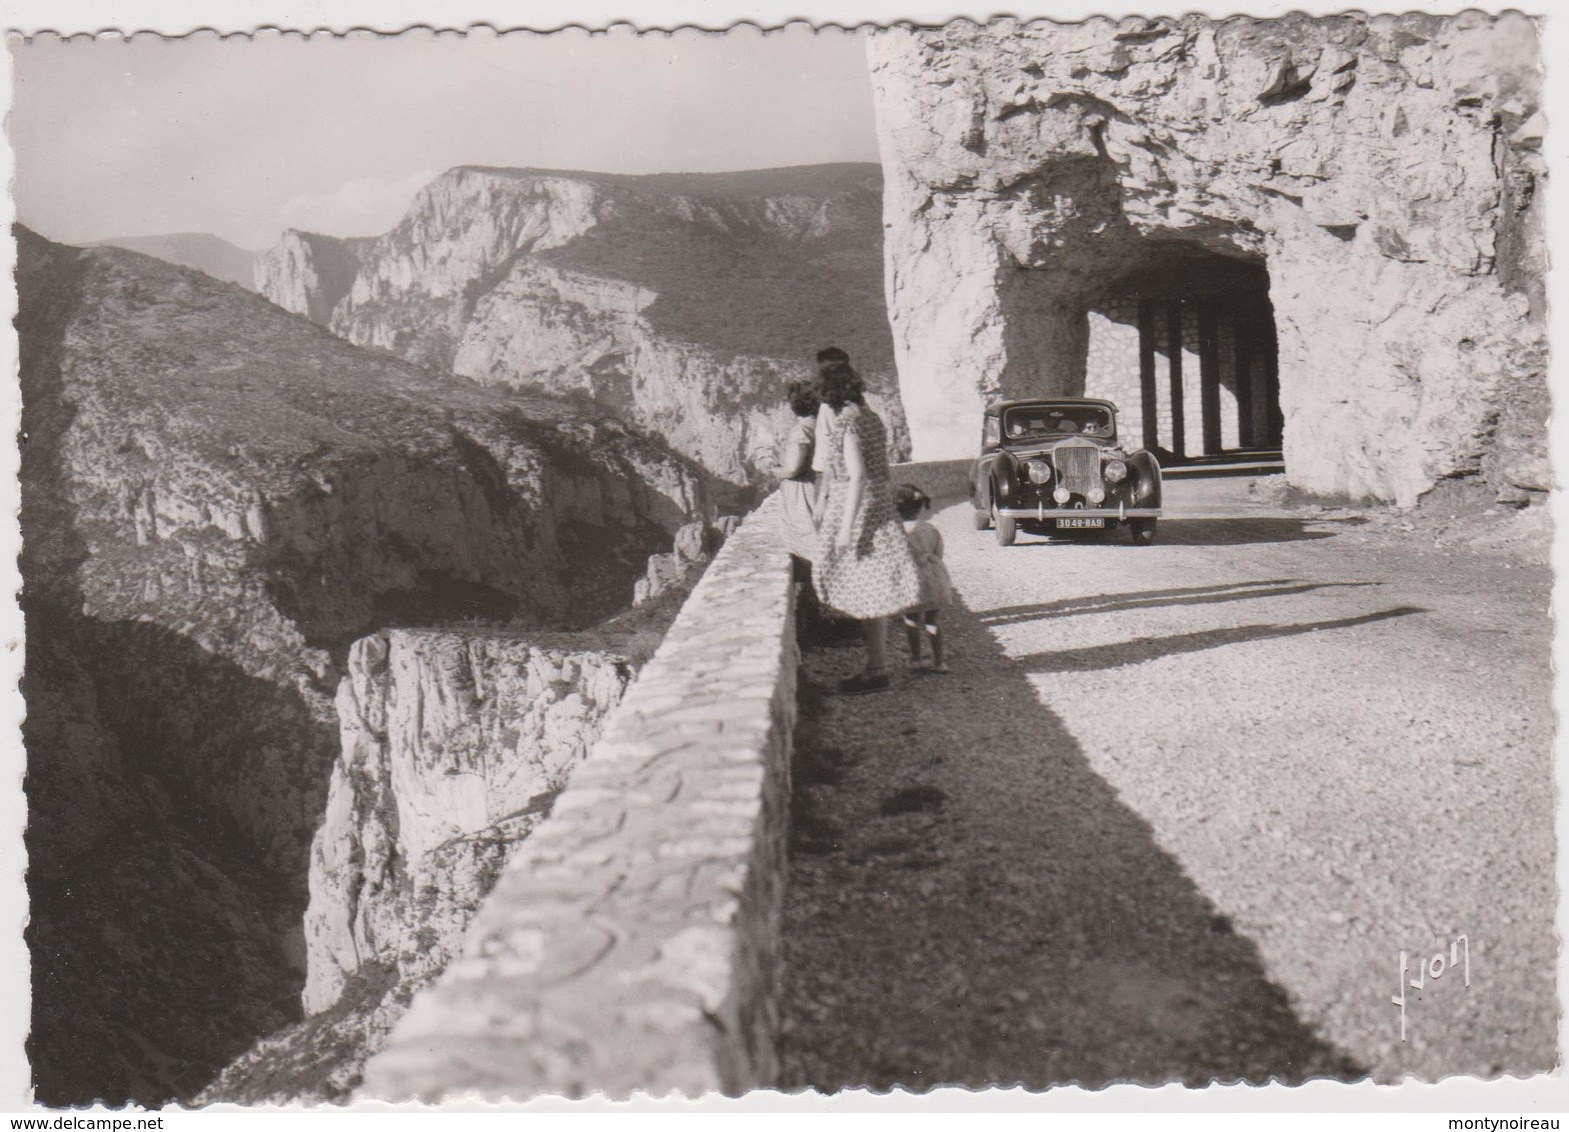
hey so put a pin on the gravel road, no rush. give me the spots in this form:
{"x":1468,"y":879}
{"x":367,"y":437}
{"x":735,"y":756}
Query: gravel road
{"x":1178,"y":810}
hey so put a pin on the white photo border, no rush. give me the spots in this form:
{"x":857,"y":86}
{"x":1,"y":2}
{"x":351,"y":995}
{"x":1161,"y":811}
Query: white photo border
{"x":1544,"y":1095}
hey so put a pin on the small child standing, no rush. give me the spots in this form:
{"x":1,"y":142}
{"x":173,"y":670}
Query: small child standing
{"x":920,"y":620}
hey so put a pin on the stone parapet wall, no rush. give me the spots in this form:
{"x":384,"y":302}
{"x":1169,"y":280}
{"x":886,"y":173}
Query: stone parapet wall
{"x":633,"y":941}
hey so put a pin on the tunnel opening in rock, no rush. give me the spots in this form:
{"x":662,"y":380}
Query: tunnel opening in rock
{"x":1184,"y":342}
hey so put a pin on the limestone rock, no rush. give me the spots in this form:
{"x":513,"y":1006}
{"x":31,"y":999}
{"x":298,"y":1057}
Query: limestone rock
{"x":682,"y":303}
{"x":1382,"y":169}
{"x":454,"y":744}
{"x":695,"y":544}
{"x":306,"y":273}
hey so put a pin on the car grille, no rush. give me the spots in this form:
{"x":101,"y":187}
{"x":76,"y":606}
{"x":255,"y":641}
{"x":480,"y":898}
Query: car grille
{"x":1078,"y":467}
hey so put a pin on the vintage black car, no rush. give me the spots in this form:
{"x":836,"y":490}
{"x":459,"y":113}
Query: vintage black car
{"x":1053,"y":466}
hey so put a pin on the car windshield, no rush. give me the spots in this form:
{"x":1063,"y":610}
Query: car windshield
{"x":1029,"y":422}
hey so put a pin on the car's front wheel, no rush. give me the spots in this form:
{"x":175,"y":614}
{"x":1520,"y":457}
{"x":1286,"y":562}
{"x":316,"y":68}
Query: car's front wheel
{"x":983,"y":520}
{"x":1143,"y":531}
{"x":1006,"y":526}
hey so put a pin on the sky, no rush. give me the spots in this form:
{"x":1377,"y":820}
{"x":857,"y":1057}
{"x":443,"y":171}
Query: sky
{"x":245,"y":137}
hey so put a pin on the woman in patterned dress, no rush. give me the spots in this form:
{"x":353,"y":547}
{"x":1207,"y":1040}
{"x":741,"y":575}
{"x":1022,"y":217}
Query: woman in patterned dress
{"x":864,"y":566}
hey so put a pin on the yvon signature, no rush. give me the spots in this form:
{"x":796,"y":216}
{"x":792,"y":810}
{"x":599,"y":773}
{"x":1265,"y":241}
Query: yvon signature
{"x":1434,"y":968}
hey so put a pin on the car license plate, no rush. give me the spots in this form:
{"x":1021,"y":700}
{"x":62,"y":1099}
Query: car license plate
{"x":1088,"y":522}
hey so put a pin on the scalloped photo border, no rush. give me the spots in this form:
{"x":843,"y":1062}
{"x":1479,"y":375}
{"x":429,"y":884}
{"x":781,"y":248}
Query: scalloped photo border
{"x":194,"y":21}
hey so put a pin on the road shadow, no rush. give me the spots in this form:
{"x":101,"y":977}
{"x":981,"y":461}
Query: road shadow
{"x":971,"y":904}
{"x":1233,"y":531}
{"x":1239,"y":531}
{"x":1155,"y":599}
{"x":1138,"y":651}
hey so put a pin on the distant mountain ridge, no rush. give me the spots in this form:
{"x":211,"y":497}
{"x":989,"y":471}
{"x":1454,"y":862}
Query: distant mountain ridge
{"x":840,"y":176}
{"x":684,"y":302}
{"x":201,"y":250}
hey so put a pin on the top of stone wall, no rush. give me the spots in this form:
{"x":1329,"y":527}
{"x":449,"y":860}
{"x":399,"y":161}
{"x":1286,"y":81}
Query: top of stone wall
{"x":632,"y":942}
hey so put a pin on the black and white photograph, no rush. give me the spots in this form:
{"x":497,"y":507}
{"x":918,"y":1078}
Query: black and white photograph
{"x":807,"y":557}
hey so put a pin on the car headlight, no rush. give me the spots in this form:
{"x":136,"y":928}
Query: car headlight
{"x":1061,"y":495}
{"x":1039,"y":471}
{"x":1116,"y":471}
{"x":1096,"y":494}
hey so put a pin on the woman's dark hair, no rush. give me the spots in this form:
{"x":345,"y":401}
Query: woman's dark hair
{"x":838,"y":385}
{"x":909,"y":500}
{"x":803,"y":398}
{"x":832,"y":354}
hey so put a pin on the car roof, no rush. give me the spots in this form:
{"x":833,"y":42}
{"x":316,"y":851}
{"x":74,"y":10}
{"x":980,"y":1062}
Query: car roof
{"x":1042,"y":402}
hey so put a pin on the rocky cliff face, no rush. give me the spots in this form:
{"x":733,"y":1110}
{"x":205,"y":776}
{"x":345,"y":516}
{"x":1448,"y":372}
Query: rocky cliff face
{"x":680,"y":302}
{"x":308,"y":274}
{"x":454,"y":745}
{"x":1383,"y":170}
{"x":217,"y":498}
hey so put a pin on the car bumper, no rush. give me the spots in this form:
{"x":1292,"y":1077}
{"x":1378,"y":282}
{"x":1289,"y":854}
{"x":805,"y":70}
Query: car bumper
{"x":1041,"y":514}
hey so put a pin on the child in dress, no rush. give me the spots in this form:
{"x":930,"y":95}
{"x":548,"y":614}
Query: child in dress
{"x":914,"y":506}
{"x":798,"y":481}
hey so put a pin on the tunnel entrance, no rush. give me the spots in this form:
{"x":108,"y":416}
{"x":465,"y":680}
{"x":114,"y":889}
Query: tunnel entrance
{"x":1185,"y":345}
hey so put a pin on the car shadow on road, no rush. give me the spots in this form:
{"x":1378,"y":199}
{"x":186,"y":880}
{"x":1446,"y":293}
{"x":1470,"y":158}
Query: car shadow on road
{"x":1240,"y":530}
{"x":1142,"y":649}
{"x":1231,"y":531}
{"x":1153,"y":599}
{"x":971,"y":903}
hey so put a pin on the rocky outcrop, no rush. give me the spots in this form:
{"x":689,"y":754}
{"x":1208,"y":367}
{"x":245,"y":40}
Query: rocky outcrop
{"x":217,"y":499}
{"x":308,"y":274}
{"x":455,"y":744}
{"x":1383,"y":170}
{"x":682,"y":303}
{"x":694,"y":547}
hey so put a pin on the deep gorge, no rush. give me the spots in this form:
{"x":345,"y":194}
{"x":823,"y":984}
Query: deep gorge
{"x":218,"y":499}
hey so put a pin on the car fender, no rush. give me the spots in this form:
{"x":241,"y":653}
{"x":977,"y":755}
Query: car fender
{"x":1005,"y":479}
{"x":1146,"y":478}
{"x":980,"y":484}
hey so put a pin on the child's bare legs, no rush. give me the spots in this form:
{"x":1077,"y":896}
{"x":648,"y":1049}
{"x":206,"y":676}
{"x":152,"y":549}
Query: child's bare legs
{"x":912,"y":637}
{"x":934,"y":631}
{"x":923,"y":623}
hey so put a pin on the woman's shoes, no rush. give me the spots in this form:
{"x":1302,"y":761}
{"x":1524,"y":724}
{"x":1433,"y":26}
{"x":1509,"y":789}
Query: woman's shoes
{"x":863,"y":684}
